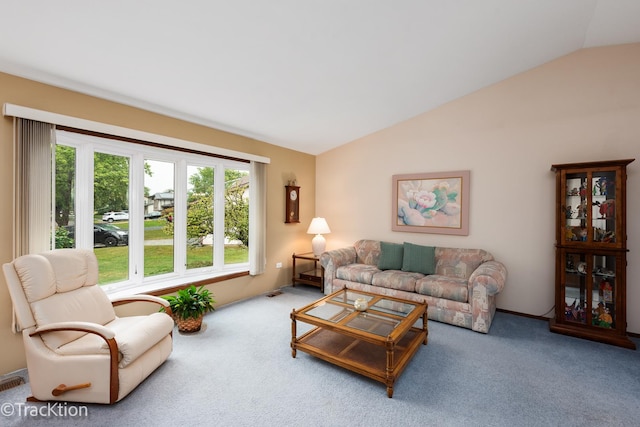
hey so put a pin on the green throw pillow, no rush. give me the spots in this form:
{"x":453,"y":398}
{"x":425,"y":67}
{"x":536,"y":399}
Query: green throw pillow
{"x":419,"y":259}
{"x":390,"y":256}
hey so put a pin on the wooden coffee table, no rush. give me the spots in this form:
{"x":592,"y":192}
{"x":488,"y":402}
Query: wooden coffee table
{"x":378,"y":342}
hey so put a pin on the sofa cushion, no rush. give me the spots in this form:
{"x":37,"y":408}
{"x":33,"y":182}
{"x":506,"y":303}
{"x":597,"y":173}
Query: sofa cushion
{"x":367,"y":252}
{"x":459,"y":263}
{"x":443,"y":287}
{"x":394,"y":279}
{"x":361,"y":273}
{"x":418,"y":259}
{"x":134,"y":336}
{"x":390,"y":256}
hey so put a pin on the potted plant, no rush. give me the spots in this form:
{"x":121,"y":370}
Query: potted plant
{"x":189,"y":306}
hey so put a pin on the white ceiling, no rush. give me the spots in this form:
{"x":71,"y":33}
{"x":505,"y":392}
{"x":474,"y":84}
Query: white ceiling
{"x":308,"y":75}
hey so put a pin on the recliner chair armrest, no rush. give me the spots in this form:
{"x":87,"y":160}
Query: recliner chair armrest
{"x":491,"y":274}
{"x":165,"y":306}
{"x":92,"y":328}
{"x":88,"y":327}
{"x":140,"y":298}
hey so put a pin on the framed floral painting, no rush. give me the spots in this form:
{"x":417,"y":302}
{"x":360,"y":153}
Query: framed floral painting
{"x":435,"y":203}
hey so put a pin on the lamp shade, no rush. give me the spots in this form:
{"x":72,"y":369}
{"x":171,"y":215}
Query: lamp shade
{"x":318,"y":226}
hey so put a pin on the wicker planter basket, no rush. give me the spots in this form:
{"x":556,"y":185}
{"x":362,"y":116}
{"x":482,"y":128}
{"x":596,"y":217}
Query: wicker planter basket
{"x":188,"y":325}
{"x":190,"y":301}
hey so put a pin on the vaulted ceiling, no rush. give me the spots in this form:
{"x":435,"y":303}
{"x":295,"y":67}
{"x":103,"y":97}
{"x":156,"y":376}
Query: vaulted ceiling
{"x":308,"y":75}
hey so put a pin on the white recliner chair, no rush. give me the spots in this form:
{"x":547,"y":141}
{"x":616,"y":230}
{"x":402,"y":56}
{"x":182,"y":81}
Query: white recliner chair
{"x":77,"y":349}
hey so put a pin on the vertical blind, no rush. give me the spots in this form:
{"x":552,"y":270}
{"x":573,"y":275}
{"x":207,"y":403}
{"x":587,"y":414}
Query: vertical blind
{"x":34,"y":142}
{"x":257,"y":218}
{"x":33,"y":197}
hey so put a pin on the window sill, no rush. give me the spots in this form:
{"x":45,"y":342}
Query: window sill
{"x":168,"y":286}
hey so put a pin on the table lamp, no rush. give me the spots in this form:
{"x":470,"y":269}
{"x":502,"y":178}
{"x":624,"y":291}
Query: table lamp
{"x":318,"y":227}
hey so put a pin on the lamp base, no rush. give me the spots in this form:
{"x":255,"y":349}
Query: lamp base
{"x":318,"y":244}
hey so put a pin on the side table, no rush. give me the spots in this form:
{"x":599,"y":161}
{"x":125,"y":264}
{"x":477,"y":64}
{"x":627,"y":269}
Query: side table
{"x":314,"y":276}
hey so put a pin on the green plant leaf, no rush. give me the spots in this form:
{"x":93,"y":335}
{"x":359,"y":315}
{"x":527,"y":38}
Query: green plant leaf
{"x":191,"y":302}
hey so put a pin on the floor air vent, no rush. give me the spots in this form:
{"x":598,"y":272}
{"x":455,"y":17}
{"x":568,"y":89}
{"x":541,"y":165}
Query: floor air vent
{"x":11,"y":382}
{"x":274,"y":294}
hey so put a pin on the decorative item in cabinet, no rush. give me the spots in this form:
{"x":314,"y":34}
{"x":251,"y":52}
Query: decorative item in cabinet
{"x":591,"y":251}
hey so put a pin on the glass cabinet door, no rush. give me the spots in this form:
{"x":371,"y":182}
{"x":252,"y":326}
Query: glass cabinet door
{"x":575,"y":208}
{"x":604,"y":291}
{"x":574,"y":287}
{"x":603,"y":206}
{"x":589,"y":207}
{"x":589,"y":289}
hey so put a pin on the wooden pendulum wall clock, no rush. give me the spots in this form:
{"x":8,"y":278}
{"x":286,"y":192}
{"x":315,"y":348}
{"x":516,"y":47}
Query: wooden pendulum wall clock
{"x":292,"y":204}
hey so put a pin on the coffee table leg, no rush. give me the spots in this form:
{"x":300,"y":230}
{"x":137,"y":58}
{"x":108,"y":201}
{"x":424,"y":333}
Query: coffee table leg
{"x":293,"y":334}
{"x":425,"y":327}
{"x":390,"y":376}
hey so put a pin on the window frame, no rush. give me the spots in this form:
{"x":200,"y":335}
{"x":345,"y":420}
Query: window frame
{"x":86,"y":145}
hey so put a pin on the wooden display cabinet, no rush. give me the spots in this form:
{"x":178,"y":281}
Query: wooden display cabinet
{"x":591,"y":251}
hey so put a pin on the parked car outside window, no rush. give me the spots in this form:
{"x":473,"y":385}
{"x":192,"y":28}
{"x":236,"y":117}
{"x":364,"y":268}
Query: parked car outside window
{"x":104,"y":235}
{"x":115,"y":216}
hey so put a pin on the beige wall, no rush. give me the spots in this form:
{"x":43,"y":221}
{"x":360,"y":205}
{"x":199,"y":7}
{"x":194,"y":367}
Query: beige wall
{"x":282,"y":239}
{"x":582,"y":107}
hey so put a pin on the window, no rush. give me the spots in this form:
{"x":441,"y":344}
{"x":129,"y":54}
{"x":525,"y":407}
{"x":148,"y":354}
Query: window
{"x":111,"y":189}
{"x":158,"y":216}
{"x":200,"y":213}
{"x":159,"y":191}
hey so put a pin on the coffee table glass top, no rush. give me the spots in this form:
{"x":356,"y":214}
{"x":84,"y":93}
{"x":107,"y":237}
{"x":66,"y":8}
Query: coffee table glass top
{"x":380,"y":318}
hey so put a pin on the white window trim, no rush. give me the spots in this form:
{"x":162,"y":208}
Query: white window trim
{"x":137,"y":282}
{"x":12,"y":110}
{"x":166,"y":281}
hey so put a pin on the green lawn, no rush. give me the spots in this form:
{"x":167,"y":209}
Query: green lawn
{"x":158,"y":259}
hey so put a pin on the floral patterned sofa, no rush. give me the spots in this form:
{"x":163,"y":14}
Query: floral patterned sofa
{"x":459,"y":285}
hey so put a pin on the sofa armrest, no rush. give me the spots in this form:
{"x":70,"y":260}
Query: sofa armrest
{"x":331,"y":260}
{"x":491,"y":274}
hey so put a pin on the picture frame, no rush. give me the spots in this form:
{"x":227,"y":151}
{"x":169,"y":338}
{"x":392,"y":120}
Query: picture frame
{"x":436,"y":203}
